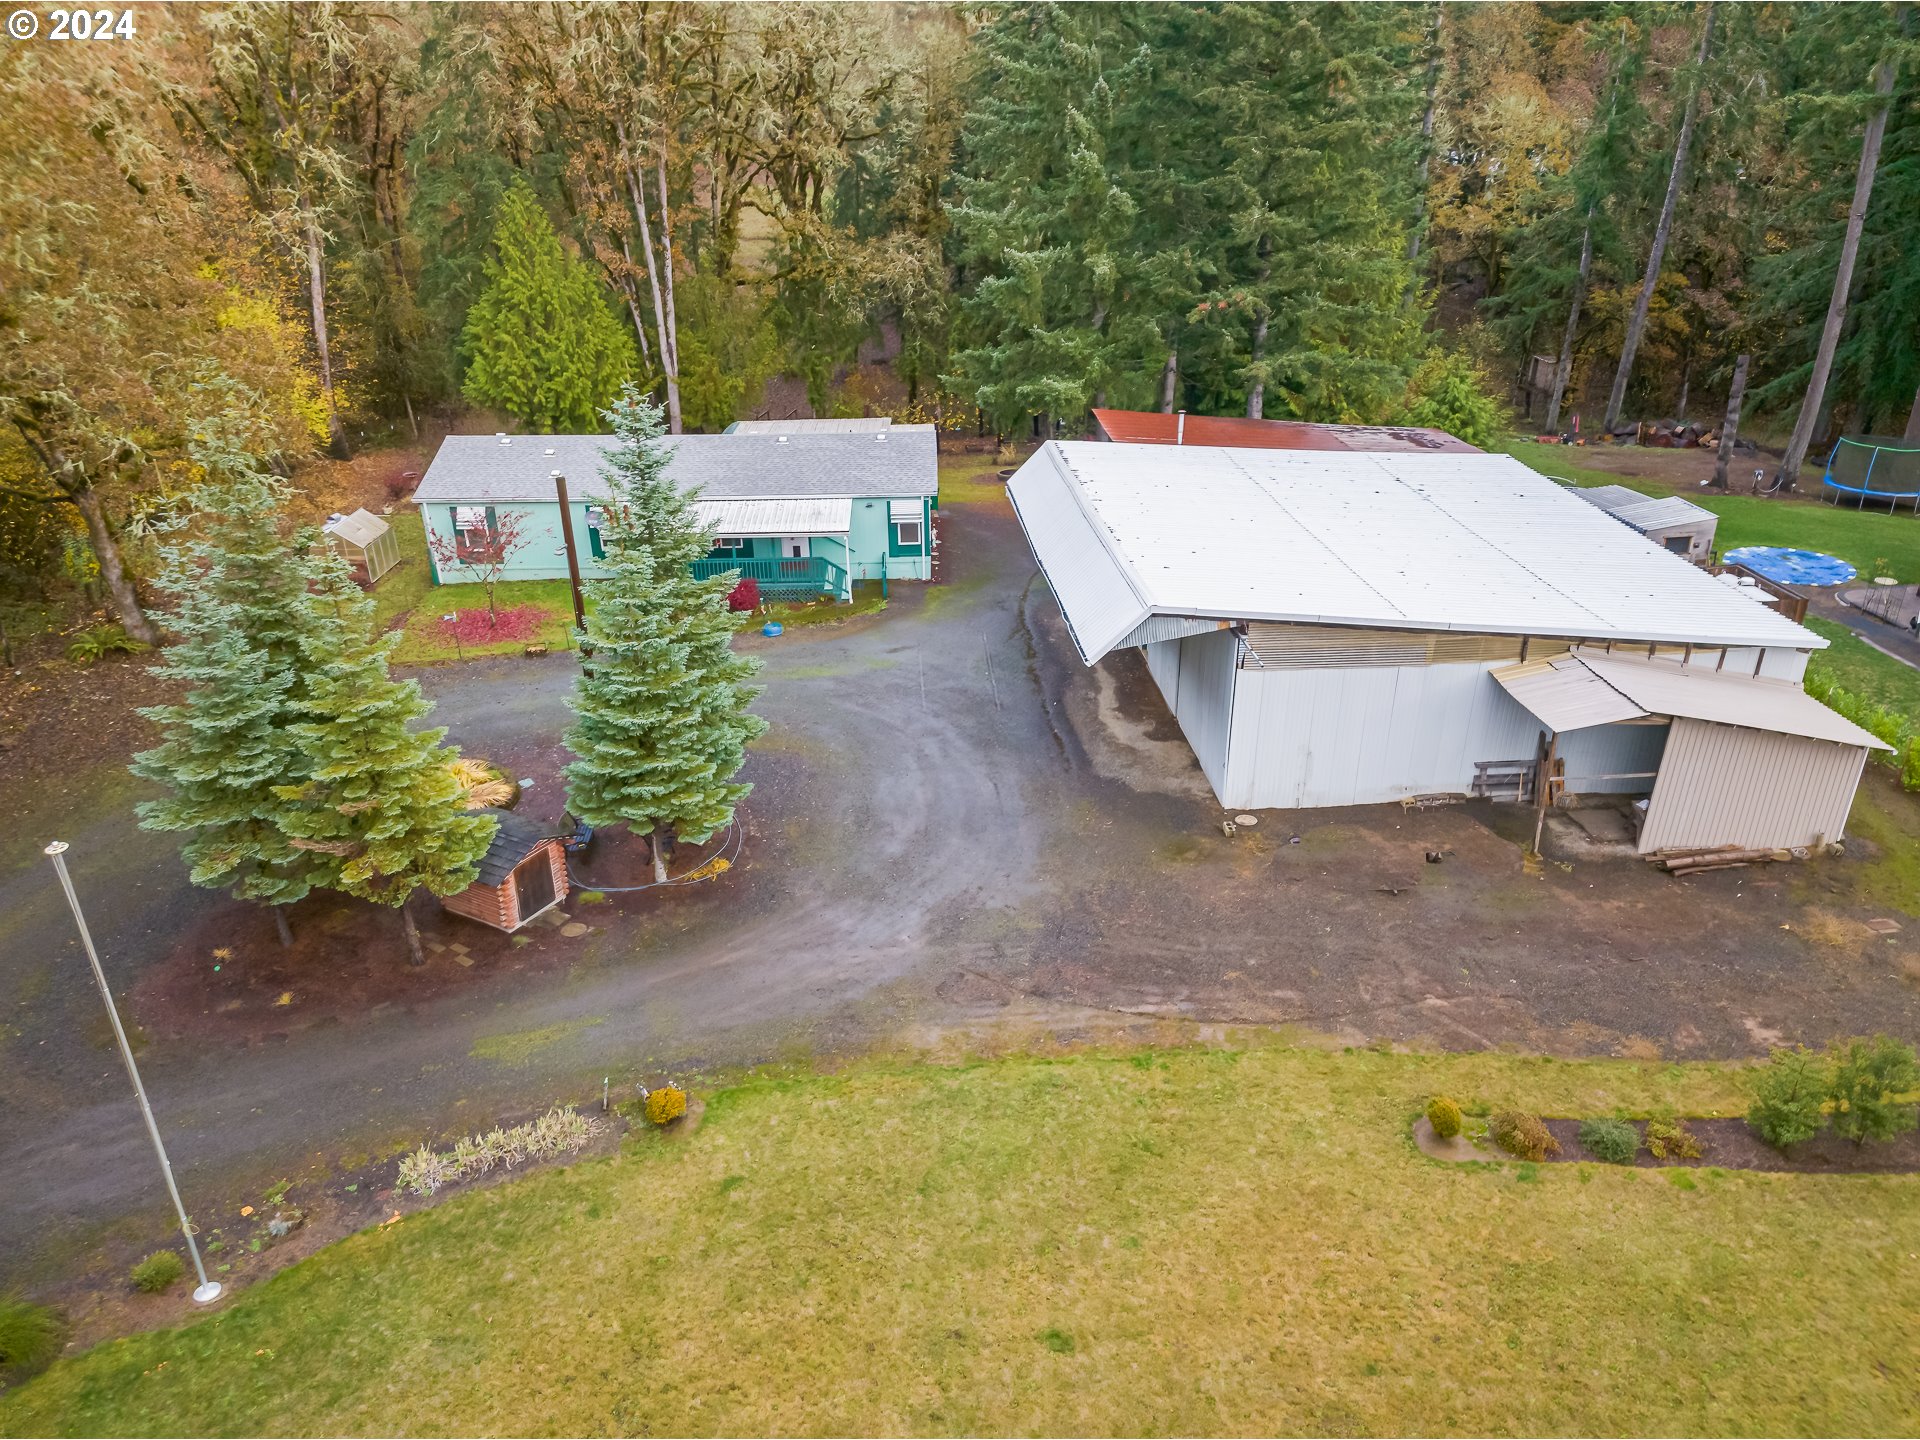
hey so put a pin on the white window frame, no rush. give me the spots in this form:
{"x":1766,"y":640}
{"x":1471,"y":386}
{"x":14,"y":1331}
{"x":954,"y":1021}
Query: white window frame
{"x":729,"y":542}
{"x":900,"y":528}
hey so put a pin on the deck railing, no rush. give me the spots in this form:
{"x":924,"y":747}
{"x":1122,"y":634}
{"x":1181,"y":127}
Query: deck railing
{"x":811,"y":576}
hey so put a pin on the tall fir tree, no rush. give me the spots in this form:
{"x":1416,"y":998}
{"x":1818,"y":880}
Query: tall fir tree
{"x":662,"y":724}
{"x":226,"y":749}
{"x":379,"y":810}
{"x":541,"y":342}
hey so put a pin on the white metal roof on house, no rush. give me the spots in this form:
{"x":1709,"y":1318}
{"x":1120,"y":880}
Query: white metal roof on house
{"x":1647,"y":512}
{"x":852,"y":425}
{"x":1574,"y":691}
{"x":502,"y":469}
{"x":812,"y":515}
{"x":360,"y":528}
{"x":1467,"y":542}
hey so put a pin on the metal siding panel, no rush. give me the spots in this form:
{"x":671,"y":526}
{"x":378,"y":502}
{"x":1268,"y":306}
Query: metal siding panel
{"x":1565,"y":694}
{"x":1778,"y":664}
{"x":1163,"y":663}
{"x":1611,"y":750}
{"x":1764,"y":704}
{"x":1156,"y":628}
{"x":1205,"y":700}
{"x":1728,"y":785}
{"x":1307,"y":738}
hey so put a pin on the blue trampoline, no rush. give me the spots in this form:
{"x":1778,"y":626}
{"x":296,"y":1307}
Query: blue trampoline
{"x":1790,"y":567}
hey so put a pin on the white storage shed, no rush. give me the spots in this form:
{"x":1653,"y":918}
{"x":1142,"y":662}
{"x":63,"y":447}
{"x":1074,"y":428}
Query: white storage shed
{"x":1340,"y":629}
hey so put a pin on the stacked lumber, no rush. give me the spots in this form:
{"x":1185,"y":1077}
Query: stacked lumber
{"x":1699,"y":859}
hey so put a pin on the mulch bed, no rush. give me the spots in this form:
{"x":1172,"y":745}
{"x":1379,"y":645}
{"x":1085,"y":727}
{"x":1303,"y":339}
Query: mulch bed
{"x":1726,"y":1143}
{"x":1730,"y":1144}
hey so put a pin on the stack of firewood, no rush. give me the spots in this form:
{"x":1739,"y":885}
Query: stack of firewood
{"x":1717,"y":857}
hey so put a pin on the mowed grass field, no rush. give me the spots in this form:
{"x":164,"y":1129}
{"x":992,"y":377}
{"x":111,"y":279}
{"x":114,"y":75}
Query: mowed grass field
{"x":1193,"y":1241}
{"x":1873,"y":542}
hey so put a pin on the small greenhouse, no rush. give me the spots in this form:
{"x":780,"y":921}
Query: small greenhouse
{"x":367,"y":542}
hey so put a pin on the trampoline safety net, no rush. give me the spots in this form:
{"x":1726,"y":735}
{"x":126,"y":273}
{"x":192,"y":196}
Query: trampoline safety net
{"x":1872,"y":467}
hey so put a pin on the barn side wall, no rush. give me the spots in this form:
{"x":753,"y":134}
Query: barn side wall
{"x":1728,"y":785}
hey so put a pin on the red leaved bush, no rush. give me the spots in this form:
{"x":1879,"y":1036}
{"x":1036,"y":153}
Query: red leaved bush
{"x":473,"y":627}
{"x":745,"y":595}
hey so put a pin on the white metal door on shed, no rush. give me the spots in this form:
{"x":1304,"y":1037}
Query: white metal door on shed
{"x":1729,"y":785}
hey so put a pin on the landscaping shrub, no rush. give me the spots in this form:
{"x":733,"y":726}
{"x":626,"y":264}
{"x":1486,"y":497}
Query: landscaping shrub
{"x":1867,"y":1074}
{"x":1614,"y":1141}
{"x":1522,"y":1135}
{"x":158,"y":1271}
{"x":102,"y":641}
{"x":666,"y":1104}
{"x":1789,"y":1097}
{"x":1671,"y":1140}
{"x":1444,"y":1116}
{"x":745,"y":595}
{"x":556,"y":1132}
{"x":29,"y":1336}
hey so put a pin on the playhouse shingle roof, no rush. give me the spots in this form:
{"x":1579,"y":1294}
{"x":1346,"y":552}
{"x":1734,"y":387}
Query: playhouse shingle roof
{"x":478,"y":469}
{"x":517,"y":837}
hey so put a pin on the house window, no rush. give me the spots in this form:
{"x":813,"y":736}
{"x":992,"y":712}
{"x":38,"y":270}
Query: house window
{"x":1680,"y":544}
{"x":472,"y":529}
{"x":906,"y":534}
{"x":730,"y":547}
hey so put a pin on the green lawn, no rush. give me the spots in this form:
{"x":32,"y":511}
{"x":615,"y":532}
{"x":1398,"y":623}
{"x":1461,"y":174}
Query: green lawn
{"x":796,"y":614}
{"x":1855,"y":665}
{"x":408,"y":583}
{"x":426,"y":642}
{"x":972,"y":480}
{"x":1873,"y":542}
{"x":1235,"y":1242}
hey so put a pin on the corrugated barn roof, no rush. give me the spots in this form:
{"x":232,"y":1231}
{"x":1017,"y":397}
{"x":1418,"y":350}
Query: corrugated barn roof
{"x":1473,"y":542}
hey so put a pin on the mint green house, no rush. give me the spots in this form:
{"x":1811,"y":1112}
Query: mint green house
{"x":804,"y":508}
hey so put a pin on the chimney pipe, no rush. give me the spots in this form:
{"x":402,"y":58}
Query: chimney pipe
{"x":1180,"y":429}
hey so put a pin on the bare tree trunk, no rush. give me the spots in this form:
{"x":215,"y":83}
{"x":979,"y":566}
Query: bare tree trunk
{"x":657,"y":843}
{"x":1730,"y":430}
{"x":413,"y":425}
{"x":323,"y":351}
{"x":1637,"y":322}
{"x":1169,"y":380}
{"x":415,"y":955}
{"x":1912,"y":436}
{"x":113,"y":570}
{"x":1426,"y":133}
{"x":1257,"y":391}
{"x":1842,"y":280}
{"x":669,"y":362}
{"x":1563,"y":372}
{"x":1686,"y":387}
{"x":672,"y":338}
{"x":633,"y":305}
{"x":280,"y":924}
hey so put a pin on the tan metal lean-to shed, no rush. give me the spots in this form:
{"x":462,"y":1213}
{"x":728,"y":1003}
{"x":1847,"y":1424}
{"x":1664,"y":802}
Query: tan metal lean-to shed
{"x":367,"y":542}
{"x":1746,"y":762}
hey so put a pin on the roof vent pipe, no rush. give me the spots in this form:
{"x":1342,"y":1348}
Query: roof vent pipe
{"x":501,"y":436}
{"x":1180,"y":429}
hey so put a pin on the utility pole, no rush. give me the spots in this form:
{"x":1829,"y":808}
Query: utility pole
{"x":573,"y":556}
{"x":207,"y":1291}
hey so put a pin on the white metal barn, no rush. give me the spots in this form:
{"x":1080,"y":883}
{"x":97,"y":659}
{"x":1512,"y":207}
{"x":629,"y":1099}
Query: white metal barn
{"x":1342,"y":629}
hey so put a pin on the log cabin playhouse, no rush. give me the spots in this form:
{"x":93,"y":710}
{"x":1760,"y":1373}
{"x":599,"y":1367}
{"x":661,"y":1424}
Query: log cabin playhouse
{"x":522,"y":875}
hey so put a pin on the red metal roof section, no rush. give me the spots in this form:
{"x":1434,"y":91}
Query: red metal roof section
{"x":1150,"y":427}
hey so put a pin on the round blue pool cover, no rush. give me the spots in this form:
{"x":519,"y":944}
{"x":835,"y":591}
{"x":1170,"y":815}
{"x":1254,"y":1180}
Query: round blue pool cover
{"x":1791,"y":567}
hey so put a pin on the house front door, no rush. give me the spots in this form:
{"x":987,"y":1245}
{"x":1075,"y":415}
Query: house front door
{"x":793,"y":547}
{"x":533,"y":884}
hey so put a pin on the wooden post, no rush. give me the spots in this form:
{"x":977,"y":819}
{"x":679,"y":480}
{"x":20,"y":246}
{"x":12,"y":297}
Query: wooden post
{"x":1542,"y":783}
{"x":573,"y":557}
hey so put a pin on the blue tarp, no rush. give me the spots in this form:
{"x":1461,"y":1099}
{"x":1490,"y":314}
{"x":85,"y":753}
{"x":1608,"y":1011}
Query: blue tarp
{"x":1791,"y":567}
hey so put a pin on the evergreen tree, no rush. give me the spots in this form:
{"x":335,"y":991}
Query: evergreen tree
{"x":379,"y":812}
{"x":663,"y":724}
{"x":240,"y":592}
{"x":541,"y":343}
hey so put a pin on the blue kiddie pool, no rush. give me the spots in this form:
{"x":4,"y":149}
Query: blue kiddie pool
{"x":1791,"y":567}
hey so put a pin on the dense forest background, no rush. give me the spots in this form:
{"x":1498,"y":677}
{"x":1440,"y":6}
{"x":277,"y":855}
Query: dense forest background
{"x":993,"y":216}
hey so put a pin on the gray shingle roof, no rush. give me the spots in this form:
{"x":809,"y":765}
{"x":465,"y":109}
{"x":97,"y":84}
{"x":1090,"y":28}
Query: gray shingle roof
{"x":479,"y":469}
{"x":517,"y":837}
